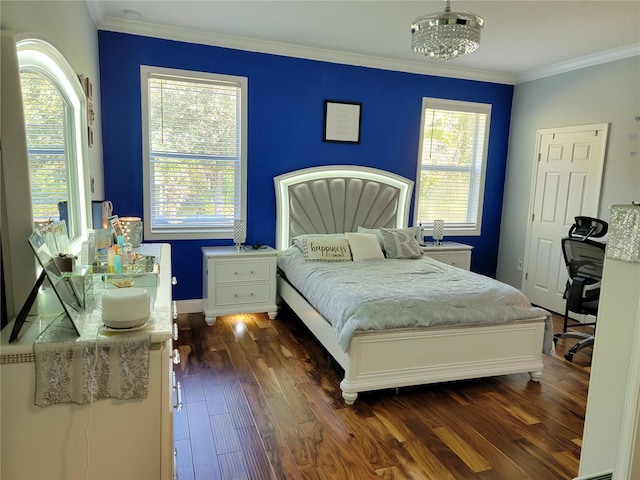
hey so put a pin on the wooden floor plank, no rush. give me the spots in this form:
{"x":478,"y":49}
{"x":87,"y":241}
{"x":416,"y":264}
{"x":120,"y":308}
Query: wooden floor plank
{"x":232,"y":466}
{"x":224,"y":434}
{"x":291,"y":431}
{"x":474,"y":460}
{"x":262,"y":401}
{"x":203,"y":448}
{"x":256,"y":461}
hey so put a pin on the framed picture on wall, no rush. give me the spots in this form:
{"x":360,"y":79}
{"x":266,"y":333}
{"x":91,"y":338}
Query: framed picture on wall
{"x":342,"y":121}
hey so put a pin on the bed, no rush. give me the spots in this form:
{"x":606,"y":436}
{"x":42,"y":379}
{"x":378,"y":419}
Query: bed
{"x":329,"y":201}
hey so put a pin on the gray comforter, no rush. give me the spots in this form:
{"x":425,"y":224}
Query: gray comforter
{"x":399,"y":293}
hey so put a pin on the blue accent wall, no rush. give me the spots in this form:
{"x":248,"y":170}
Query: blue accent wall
{"x":286,"y":109}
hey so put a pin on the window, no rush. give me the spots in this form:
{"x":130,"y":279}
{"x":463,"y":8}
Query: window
{"x":451,"y":165}
{"x":55,"y":123}
{"x":194,"y":140}
{"x":46,"y":115}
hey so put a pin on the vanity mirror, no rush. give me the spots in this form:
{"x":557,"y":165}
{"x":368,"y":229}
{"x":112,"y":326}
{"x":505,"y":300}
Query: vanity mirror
{"x":50,"y":244}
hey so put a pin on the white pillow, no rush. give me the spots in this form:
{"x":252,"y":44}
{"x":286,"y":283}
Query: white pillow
{"x":401,"y":243}
{"x":374,"y":231}
{"x":326,"y":249}
{"x":364,"y":246}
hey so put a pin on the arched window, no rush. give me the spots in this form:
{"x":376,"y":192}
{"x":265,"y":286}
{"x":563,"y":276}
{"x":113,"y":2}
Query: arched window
{"x":56,"y":124}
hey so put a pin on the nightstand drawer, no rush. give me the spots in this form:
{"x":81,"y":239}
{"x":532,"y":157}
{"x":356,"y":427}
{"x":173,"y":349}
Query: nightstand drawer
{"x":242,"y":294}
{"x":460,"y":260}
{"x":238,"y":281}
{"x":243,"y":271}
{"x":451,"y":253}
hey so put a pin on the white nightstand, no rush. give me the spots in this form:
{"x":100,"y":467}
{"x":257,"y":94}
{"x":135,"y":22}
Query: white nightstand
{"x":238,"y":281}
{"x":451,"y":253}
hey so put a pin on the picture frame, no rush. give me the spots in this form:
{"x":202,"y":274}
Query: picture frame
{"x":342,"y":121}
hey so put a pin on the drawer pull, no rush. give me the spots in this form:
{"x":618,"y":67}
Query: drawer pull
{"x":174,"y":310}
{"x":175,"y":331}
{"x":174,"y":281}
{"x":239,"y":296}
{"x":175,"y":463}
{"x":178,"y":389}
{"x":176,"y":356}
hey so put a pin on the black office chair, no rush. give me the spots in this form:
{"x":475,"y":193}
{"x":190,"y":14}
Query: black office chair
{"x":584,"y":259}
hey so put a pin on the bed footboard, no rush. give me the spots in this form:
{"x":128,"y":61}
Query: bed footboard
{"x":378,"y":360}
{"x":410,"y":357}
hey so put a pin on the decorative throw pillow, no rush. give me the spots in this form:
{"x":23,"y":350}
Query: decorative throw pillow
{"x":401,"y":243}
{"x":297,"y":240}
{"x":373,"y":231}
{"x":326,"y":250}
{"x":364,"y":246}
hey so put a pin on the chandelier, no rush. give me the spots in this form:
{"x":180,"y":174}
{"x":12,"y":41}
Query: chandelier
{"x":444,"y":36}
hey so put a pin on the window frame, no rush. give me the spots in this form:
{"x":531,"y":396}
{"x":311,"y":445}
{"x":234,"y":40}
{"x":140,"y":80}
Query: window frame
{"x":180,"y":232}
{"x":451,"y":228}
{"x":39,"y":56}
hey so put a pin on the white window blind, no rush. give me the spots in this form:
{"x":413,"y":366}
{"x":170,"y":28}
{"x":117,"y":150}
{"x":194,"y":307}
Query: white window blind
{"x":451,"y":165}
{"x":46,"y":120}
{"x":196,"y":153}
{"x":55,"y":114}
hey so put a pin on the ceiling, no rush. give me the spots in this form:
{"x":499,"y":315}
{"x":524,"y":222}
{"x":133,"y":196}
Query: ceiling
{"x":522,"y":40}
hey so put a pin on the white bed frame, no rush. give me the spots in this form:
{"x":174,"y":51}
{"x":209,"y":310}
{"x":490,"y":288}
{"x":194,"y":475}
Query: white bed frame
{"x":338,"y":199}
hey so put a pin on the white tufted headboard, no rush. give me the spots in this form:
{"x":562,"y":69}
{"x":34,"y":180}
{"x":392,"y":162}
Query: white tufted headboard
{"x":337,"y":199}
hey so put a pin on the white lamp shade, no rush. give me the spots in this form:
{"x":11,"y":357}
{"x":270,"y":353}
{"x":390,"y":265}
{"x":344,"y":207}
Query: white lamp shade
{"x":239,"y":232}
{"x":438,"y":230}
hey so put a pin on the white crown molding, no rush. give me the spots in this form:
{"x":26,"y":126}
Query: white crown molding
{"x":333,"y":56}
{"x":581,"y":62}
{"x":96,"y":10}
{"x":290,"y":50}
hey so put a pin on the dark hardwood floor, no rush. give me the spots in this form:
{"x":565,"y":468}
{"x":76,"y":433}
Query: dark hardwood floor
{"x":262,"y":401}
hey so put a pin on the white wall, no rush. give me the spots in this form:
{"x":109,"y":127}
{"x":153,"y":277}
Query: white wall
{"x":69,"y":27}
{"x":607,"y":93}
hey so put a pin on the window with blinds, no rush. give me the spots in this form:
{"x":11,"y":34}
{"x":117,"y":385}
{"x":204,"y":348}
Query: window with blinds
{"x":195,"y":153}
{"x":55,"y":115}
{"x":451,"y":165}
{"x":46,"y":120}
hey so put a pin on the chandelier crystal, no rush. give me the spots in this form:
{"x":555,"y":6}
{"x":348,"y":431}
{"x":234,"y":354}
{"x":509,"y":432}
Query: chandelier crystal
{"x":444,"y":36}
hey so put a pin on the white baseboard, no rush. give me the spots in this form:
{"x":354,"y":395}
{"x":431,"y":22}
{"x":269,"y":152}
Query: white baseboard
{"x":596,"y":476}
{"x":189,"y":306}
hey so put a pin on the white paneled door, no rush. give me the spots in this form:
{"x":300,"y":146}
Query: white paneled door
{"x":566,"y":183}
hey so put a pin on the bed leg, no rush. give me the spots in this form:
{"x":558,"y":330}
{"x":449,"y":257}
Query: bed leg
{"x":349,"y":398}
{"x":210,"y":320}
{"x":536,"y":376}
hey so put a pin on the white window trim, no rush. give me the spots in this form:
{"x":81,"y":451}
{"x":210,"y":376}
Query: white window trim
{"x":454,"y":105}
{"x":39,"y":55}
{"x":191,"y":234}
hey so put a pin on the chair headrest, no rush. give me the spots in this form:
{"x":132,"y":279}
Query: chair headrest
{"x":586,"y":227}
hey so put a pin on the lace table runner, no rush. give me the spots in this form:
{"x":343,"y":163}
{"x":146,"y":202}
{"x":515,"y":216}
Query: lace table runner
{"x":81,"y":370}
{"x":99,"y":364}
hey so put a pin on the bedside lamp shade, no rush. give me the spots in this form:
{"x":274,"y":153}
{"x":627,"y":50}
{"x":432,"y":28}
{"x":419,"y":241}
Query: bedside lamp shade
{"x":438,"y":231}
{"x":239,"y":233}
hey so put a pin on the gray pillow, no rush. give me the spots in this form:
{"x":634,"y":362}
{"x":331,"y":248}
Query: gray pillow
{"x":400,"y":243}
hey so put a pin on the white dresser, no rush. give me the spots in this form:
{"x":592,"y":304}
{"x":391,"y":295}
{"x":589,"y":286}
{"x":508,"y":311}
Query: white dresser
{"x":451,"y":253}
{"x":611,"y":438}
{"x":107,"y":439}
{"x":238,"y":281}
